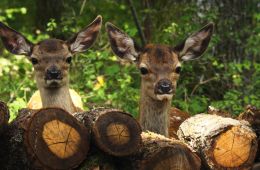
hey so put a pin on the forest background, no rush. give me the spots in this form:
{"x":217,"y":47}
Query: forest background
{"x":227,"y":76}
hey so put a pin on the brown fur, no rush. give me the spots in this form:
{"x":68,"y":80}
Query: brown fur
{"x":160,"y":63}
{"x":52,"y":53}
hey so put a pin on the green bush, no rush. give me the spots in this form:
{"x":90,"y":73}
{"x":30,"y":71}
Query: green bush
{"x":227,"y":76}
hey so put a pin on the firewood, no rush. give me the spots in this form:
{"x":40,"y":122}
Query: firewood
{"x":45,"y":139}
{"x":4,"y":116}
{"x":223,"y":143}
{"x":113,"y":131}
{"x":160,"y":153}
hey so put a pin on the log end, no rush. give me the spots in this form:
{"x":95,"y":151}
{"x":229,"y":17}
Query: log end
{"x":235,"y":148}
{"x":117,"y":133}
{"x":56,"y":140}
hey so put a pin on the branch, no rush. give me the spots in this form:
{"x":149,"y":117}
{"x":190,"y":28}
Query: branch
{"x":201,"y":82}
{"x":137,"y":23}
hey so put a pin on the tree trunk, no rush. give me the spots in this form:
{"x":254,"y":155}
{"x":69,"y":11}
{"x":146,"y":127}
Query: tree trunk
{"x":223,"y":143}
{"x":4,"y":116}
{"x":160,"y":153}
{"x":114,"y":132}
{"x":45,"y":139}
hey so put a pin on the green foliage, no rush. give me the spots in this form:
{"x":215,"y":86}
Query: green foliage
{"x":227,"y":76}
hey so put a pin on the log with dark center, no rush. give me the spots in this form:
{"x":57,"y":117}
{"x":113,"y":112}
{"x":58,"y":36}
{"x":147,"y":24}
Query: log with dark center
{"x":4,"y":116}
{"x":160,"y":153}
{"x":114,"y":132}
{"x":223,"y":143}
{"x":46,"y":139}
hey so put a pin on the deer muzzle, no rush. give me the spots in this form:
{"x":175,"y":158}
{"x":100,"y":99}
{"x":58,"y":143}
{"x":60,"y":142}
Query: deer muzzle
{"x":53,"y":73}
{"x":164,"y":86}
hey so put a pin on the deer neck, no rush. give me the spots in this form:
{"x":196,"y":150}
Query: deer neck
{"x":58,"y":97}
{"x":154,"y":114}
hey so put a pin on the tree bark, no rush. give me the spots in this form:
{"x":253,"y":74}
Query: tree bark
{"x":113,"y":131}
{"x":223,"y":143}
{"x":44,"y":139}
{"x":160,"y":153}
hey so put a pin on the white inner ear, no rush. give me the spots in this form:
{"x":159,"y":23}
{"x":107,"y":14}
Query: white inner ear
{"x":125,"y":45}
{"x":24,"y":48}
{"x":76,"y":46}
{"x":193,"y":41}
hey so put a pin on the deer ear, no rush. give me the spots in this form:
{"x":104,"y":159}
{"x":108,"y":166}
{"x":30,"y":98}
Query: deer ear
{"x":122,"y":45}
{"x":15,"y":42}
{"x":196,"y":44}
{"x":86,"y":37}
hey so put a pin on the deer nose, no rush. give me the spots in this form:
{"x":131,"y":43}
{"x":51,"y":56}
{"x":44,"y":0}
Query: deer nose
{"x":53,"y":73}
{"x":164,"y":86}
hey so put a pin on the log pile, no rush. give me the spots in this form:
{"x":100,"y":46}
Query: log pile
{"x":110,"y":139}
{"x":222,"y":143}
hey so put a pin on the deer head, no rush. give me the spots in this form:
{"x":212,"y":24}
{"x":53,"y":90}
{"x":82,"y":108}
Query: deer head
{"x":160,"y":67}
{"x":51,"y":58}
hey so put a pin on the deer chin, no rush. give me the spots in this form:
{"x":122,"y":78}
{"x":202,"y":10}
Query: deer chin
{"x":164,"y":96}
{"x":53,"y":83}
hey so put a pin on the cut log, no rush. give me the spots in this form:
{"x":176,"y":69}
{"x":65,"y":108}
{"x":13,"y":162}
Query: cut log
{"x":223,"y":143}
{"x":114,"y":132}
{"x":160,"y":153}
{"x":46,"y":139}
{"x":176,"y":117}
{"x":4,"y":116}
{"x":252,"y":115}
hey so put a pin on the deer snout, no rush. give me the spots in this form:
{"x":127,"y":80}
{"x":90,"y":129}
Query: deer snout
{"x":164,"y":86}
{"x":53,"y":73}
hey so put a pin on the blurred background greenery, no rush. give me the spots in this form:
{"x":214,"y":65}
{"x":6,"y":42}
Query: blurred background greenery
{"x":227,"y":76}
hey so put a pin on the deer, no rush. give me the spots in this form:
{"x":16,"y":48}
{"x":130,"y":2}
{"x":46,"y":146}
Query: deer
{"x":51,"y":59}
{"x":160,"y":67}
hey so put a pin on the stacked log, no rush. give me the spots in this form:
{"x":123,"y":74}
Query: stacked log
{"x":45,"y":139}
{"x":160,"y":153}
{"x":54,"y":139}
{"x":222,"y":143}
{"x":115,"y":132}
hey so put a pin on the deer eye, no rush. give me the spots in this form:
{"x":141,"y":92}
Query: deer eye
{"x":34,"y":61}
{"x":178,"y":70}
{"x":143,"y":70}
{"x":68,"y":60}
